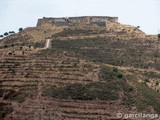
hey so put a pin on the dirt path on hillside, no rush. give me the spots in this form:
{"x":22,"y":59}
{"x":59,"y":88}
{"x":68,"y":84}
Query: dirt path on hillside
{"x":48,"y":42}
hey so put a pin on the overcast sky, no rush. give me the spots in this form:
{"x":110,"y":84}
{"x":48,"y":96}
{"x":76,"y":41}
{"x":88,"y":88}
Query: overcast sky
{"x":24,"y":13}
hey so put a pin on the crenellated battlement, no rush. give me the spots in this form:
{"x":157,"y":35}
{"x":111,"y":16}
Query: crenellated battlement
{"x":84,"y":19}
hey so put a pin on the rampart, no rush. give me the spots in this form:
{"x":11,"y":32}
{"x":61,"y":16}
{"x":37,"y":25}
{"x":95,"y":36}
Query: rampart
{"x":84,"y":19}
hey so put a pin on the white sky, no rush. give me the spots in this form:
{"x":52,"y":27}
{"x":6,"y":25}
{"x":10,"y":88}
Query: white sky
{"x":24,"y":13}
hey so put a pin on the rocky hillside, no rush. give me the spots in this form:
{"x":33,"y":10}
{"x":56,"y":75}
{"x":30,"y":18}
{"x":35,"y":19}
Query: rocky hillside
{"x":93,"y":69}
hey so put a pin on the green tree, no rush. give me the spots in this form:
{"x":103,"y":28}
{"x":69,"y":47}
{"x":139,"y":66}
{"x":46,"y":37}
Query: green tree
{"x":11,"y":32}
{"x":138,"y":27}
{"x":20,"y":29}
{"x":1,"y":36}
{"x":6,"y":34}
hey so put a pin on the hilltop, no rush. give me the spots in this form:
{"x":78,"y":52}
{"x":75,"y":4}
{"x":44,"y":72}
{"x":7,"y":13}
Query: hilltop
{"x":75,"y":68}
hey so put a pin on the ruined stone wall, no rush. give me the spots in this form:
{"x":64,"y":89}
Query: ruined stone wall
{"x":45,"y":22}
{"x":86,"y":19}
{"x":79,"y":19}
{"x":106,"y":19}
{"x":59,"y":22}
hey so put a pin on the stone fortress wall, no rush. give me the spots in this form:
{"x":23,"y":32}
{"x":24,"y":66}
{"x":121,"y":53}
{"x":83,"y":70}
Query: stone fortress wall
{"x":84,"y":19}
{"x":111,"y":24}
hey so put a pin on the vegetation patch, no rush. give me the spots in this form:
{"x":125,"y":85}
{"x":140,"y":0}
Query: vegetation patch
{"x":39,"y":44}
{"x":5,"y":108}
{"x":18,"y":96}
{"x":147,"y":97}
{"x":107,"y":89}
{"x":1,"y":92}
{"x":92,"y":91}
{"x":114,"y":52}
{"x":141,"y":96}
{"x":107,"y":73}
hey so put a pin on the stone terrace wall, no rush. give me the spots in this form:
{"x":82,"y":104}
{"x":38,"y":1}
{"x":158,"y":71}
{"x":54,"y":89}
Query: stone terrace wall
{"x":85,"y":19}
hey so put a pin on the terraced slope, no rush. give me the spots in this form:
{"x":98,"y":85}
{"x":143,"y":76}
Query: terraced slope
{"x":23,"y":76}
{"x":51,"y":84}
{"x":134,"y":55}
{"x":88,"y":73}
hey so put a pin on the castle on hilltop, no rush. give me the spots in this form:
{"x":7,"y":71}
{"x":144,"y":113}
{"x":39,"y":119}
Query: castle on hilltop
{"x":101,"y":20}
